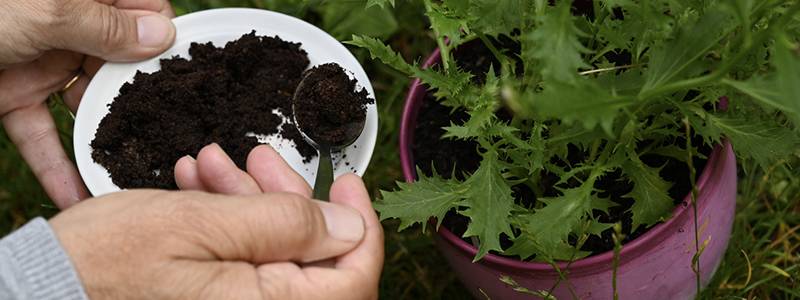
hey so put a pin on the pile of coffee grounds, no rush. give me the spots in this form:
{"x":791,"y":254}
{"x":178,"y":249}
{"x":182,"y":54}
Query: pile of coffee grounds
{"x":330,"y":109}
{"x":222,"y":95}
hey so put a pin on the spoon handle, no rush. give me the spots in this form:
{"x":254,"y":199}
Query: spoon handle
{"x":322,"y":185}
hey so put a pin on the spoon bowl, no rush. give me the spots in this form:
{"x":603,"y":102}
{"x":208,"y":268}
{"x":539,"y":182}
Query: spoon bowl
{"x":348,"y":133}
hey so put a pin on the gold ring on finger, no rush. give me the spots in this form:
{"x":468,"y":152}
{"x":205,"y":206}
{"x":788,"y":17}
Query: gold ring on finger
{"x":71,"y":83}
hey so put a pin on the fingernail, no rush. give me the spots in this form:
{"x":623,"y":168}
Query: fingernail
{"x":343,"y":223}
{"x":153,"y":30}
{"x":191,"y":159}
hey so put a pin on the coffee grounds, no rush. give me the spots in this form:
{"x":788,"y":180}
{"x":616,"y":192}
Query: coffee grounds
{"x":222,"y":95}
{"x":337,"y":105}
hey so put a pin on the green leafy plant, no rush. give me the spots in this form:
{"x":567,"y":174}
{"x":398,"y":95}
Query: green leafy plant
{"x":684,"y":55}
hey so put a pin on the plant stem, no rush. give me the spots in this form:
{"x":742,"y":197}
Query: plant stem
{"x":500,"y":57}
{"x":443,"y":47}
{"x":595,"y":147}
{"x":609,"y":69}
{"x":693,"y":180}
{"x":617,"y":249}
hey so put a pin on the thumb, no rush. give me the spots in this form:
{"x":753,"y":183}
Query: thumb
{"x":113,"y":34}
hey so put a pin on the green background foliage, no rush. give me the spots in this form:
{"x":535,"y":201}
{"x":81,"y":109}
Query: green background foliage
{"x":763,"y":257}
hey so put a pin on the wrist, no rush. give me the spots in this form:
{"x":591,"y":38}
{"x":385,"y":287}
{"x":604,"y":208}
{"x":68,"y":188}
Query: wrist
{"x":38,"y":266}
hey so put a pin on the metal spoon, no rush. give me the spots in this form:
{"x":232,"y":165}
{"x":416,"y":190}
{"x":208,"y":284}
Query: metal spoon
{"x":322,"y":184}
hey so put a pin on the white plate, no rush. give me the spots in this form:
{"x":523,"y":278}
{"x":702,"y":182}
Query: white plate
{"x":221,"y":26}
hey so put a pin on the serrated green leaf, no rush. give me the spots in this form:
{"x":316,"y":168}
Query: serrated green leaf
{"x":743,"y":9}
{"x":377,"y":49}
{"x":381,"y":3}
{"x":624,"y":83}
{"x":644,"y":24}
{"x":597,"y":228}
{"x":545,"y":232}
{"x":554,"y":44}
{"x":488,"y":204}
{"x":457,"y":7}
{"x":586,"y":102}
{"x":779,"y":91}
{"x":603,"y":204}
{"x":764,"y":91}
{"x":445,"y":25}
{"x":525,"y":247}
{"x":419,"y":201}
{"x":787,"y":65}
{"x":459,"y":132}
{"x":652,"y":203}
{"x":692,"y":41}
{"x":448,"y":85}
{"x":494,"y":17}
{"x":765,"y":143}
{"x":473,"y":128}
{"x":674,"y":152}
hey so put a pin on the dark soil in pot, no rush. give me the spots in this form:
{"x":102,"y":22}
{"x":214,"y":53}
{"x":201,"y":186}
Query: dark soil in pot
{"x":461,"y":157}
{"x":222,"y":95}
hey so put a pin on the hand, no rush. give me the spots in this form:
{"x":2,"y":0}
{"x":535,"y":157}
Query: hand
{"x":355,"y":274}
{"x":196,"y":245}
{"x":44,"y":44}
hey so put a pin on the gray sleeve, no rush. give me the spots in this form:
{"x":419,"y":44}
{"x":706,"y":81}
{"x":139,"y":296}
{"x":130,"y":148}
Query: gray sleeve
{"x":33,"y":265}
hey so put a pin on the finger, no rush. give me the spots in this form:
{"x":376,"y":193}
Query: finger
{"x":111,"y":33}
{"x":267,"y":228}
{"x":33,"y":131}
{"x":367,"y":258}
{"x":273,"y":174}
{"x":72,"y":96}
{"x":160,"y":6}
{"x":186,"y":175}
{"x":219,"y":174}
{"x":30,"y":84}
{"x":91,"y":65}
{"x":357,"y":272}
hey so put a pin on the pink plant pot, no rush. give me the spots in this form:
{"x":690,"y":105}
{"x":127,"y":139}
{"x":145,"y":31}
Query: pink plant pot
{"x":657,"y":265}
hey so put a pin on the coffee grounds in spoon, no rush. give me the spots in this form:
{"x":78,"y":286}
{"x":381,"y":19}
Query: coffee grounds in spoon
{"x":328,"y":102}
{"x":222,"y":95}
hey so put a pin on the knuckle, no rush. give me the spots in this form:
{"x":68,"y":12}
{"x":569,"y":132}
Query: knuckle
{"x":36,"y":136}
{"x":113,"y":30}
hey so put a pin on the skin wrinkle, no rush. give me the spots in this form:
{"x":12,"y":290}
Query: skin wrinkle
{"x":301,"y":222}
{"x":218,"y":270}
{"x":230,"y":240}
{"x":115,"y":28}
{"x":193,"y":225}
{"x":166,"y":269}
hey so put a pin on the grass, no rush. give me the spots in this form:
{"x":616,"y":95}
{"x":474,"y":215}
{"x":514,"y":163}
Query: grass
{"x":762,"y":261}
